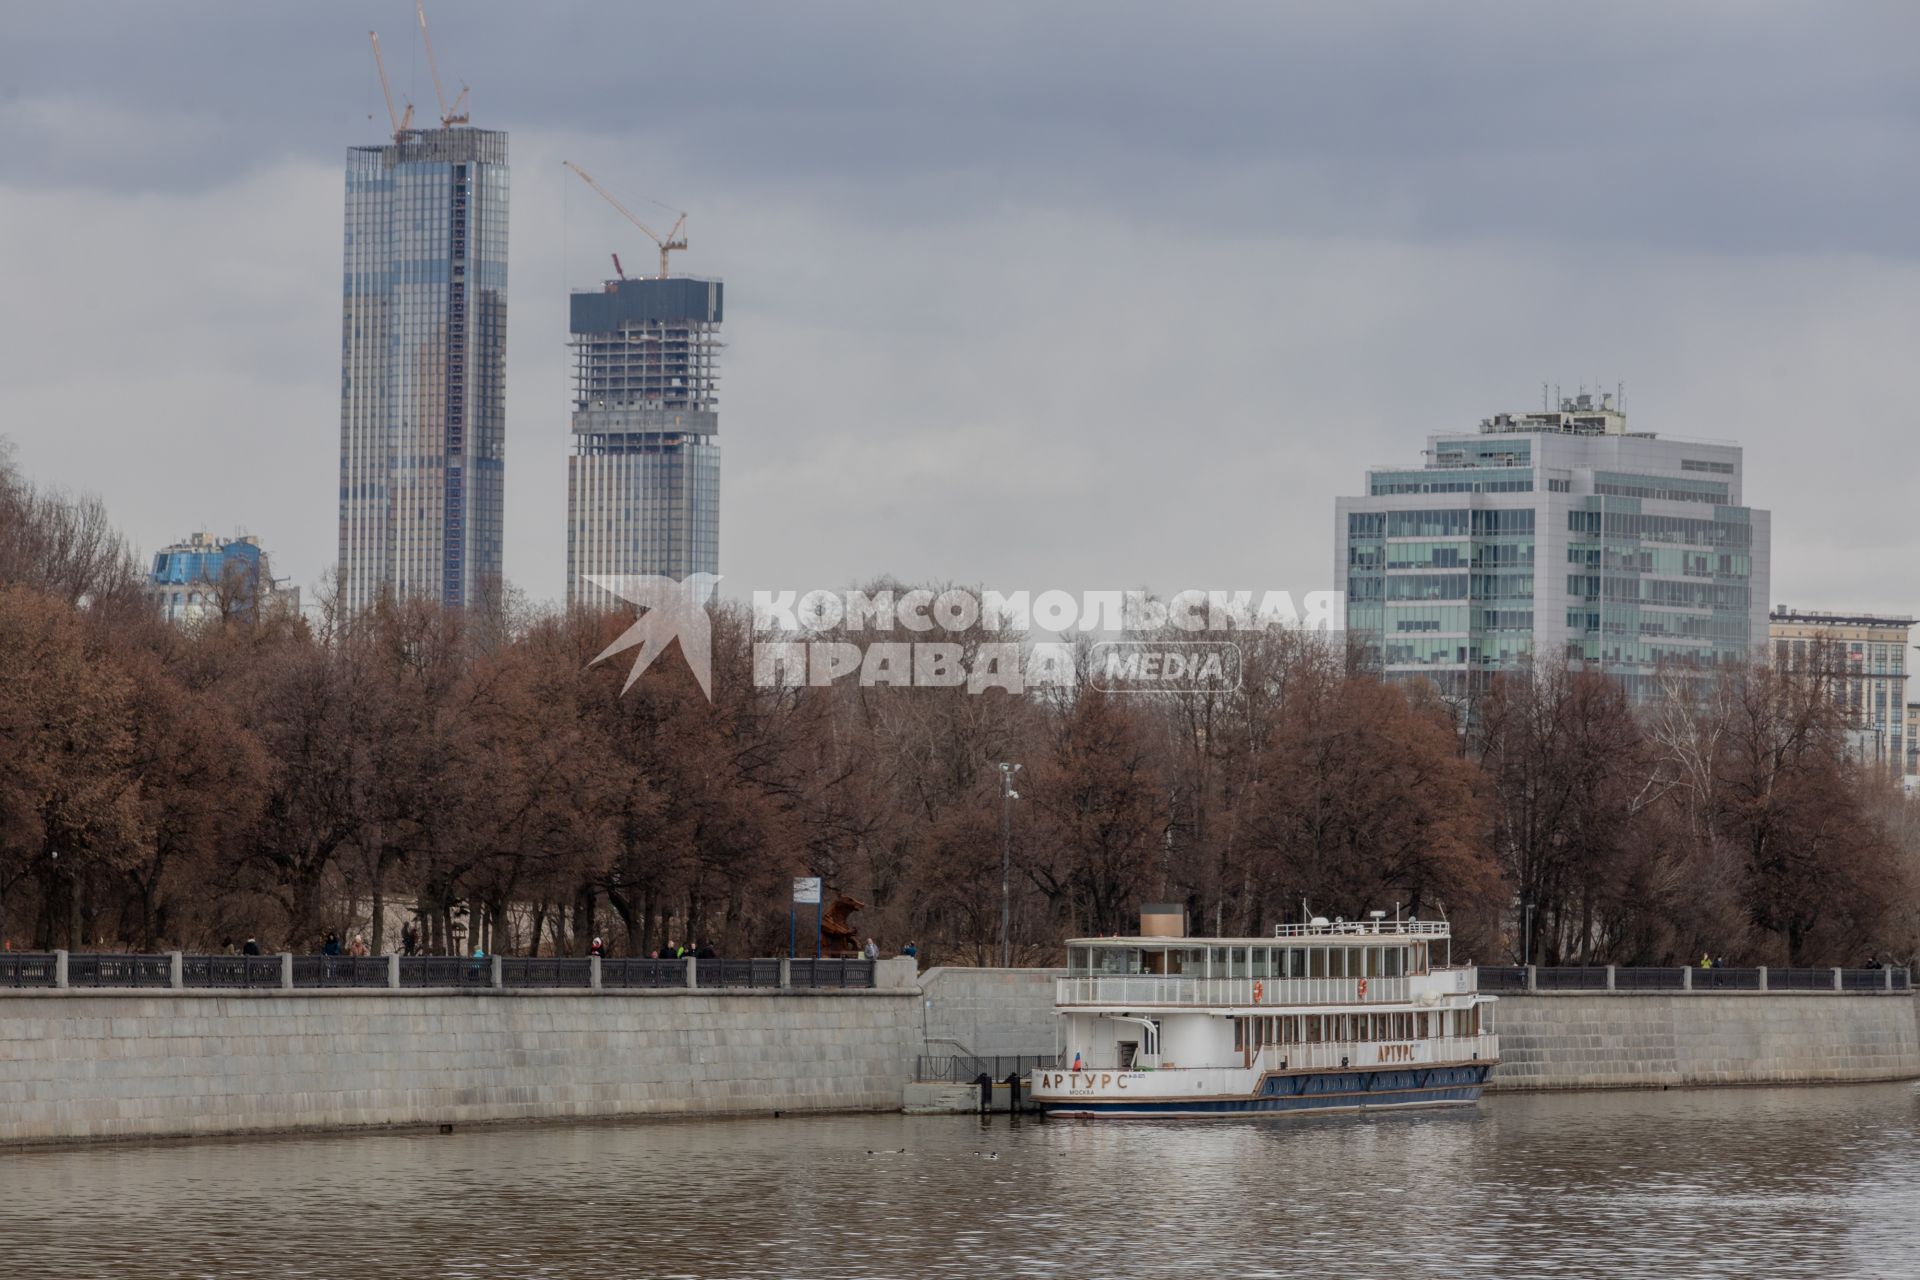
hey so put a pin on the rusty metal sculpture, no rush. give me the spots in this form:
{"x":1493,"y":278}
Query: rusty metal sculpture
{"x":837,"y":936}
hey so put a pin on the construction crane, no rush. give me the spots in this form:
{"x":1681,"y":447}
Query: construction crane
{"x":449,"y":116}
{"x":616,"y":267}
{"x":673,"y":240}
{"x":401,"y":124}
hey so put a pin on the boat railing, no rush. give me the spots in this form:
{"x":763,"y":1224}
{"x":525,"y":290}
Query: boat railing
{"x":1370,"y":928}
{"x":1366,"y":1053}
{"x":1143,"y":990}
{"x":1331,"y":1055}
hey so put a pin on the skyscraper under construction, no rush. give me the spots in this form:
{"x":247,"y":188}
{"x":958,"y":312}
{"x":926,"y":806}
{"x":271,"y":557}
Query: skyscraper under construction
{"x":423,"y":364}
{"x":643,"y":484}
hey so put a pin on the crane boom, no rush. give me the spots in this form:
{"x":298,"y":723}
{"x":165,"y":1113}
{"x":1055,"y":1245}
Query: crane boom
{"x":449,"y":116}
{"x":393,"y":117}
{"x":674,"y":240}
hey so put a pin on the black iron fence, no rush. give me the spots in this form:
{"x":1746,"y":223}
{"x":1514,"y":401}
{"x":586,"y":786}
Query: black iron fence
{"x":237,"y":972}
{"x":738,"y":973}
{"x":1498,"y":978}
{"x":231,"y":972}
{"x":645,"y":973}
{"x":1576,"y":978}
{"x":339,"y":971}
{"x":445,"y":971}
{"x":24,"y":969}
{"x":1651,"y":978}
{"x":99,"y":970}
{"x":830,"y":973}
{"x":1502,"y":977}
{"x":543,"y":971}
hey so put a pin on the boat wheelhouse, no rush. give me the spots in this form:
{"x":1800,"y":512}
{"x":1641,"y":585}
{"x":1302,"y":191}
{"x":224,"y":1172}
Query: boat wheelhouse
{"x":1326,"y":1016}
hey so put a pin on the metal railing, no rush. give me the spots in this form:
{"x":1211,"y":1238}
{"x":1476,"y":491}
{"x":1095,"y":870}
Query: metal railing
{"x":1141,"y":991}
{"x":829,"y":973}
{"x":737,"y":973}
{"x":446,"y":971}
{"x":1514,"y":978}
{"x":1369,"y":928}
{"x":964,"y":1068}
{"x":1576,"y":978}
{"x":545,"y":971}
{"x":29,"y":969}
{"x":641,"y":973}
{"x":100,"y":970}
{"x":339,"y":971}
{"x":20,"y":970}
{"x":1726,"y":979}
{"x":1652,"y":978}
{"x":237,"y":972}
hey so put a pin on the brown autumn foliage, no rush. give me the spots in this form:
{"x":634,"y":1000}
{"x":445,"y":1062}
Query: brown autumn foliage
{"x":479,"y":778}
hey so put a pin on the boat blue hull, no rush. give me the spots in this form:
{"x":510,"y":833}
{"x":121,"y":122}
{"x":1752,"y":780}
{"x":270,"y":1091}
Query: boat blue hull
{"x":1299,"y":1093}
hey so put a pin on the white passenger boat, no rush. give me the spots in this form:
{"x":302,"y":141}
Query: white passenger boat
{"x":1332,"y":1015}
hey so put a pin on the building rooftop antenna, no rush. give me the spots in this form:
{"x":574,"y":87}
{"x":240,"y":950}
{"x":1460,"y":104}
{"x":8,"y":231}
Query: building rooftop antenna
{"x":671,"y":241}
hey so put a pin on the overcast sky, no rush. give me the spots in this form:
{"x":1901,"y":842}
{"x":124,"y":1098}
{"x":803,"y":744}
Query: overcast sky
{"x":1036,"y":295}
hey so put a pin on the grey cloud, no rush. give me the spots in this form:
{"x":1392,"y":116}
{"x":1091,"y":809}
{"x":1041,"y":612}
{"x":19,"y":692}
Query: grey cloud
{"x":1728,"y":126}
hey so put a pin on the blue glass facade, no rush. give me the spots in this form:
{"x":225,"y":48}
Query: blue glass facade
{"x":423,"y":368}
{"x":1555,"y":534}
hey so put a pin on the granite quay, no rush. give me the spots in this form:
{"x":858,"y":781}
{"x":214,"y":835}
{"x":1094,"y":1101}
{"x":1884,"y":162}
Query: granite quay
{"x":196,"y":1046}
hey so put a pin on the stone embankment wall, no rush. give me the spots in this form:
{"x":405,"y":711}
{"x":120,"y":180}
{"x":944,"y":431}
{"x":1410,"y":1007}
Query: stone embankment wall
{"x":81,"y":1065}
{"x":1631,"y":1040}
{"x":88,"y":1065}
{"x":988,"y":1012}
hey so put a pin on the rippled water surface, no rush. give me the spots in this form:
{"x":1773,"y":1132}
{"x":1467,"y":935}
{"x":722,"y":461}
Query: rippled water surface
{"x":1752,"y":1182}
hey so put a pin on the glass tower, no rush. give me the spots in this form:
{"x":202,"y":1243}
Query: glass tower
{"x":423,"y":368}
{"x":643,"y":484}
{"x":1559,"y":533}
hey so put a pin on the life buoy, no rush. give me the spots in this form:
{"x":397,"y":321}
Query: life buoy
{"x":1363,"y":988}
{"x":1259,"y":992}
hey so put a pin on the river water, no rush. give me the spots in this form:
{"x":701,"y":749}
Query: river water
{"x":1749,"y":1182}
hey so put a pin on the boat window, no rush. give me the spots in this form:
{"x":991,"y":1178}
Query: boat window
{"x":1077,"y":962}
{"x":1217,"y":965}
{"x":1237,"y":963}
{"x":1112,"y":961}
{"x":1188,"y":961}
{"x":1394,"y":958}
{"x":1316,"y":962}
{"x":1420,"y":1025}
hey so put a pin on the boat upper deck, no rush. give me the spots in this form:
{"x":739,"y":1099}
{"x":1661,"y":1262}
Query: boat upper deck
{"x":1325,"y":962}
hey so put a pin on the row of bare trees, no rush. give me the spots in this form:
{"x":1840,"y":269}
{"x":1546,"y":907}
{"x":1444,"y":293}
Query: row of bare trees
{"x":481,"y":778}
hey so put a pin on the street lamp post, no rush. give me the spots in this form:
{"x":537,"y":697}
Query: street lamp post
{"x":1007,"y":796}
